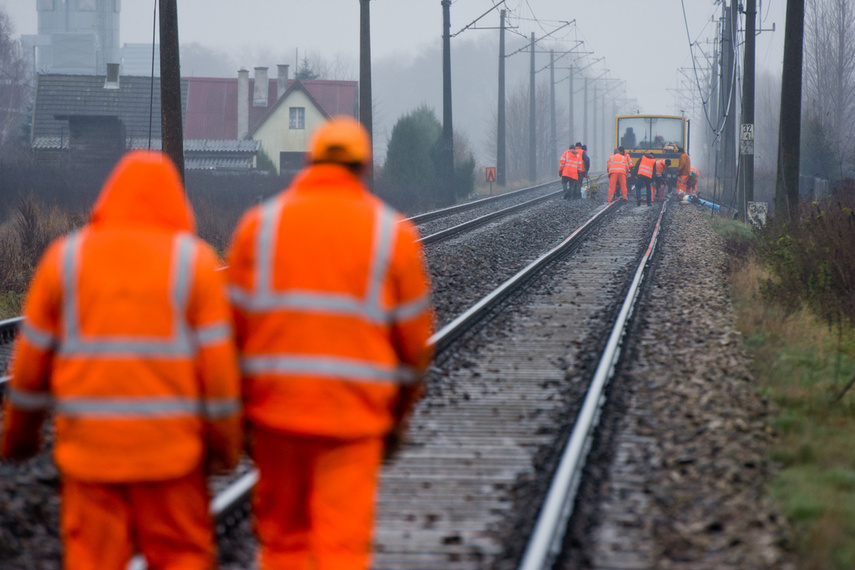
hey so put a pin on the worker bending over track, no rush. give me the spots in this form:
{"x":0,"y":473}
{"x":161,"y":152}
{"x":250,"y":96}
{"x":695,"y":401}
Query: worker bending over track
{"x":333,"y":317}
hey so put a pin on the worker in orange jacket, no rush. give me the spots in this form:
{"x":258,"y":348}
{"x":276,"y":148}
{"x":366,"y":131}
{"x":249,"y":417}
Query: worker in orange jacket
{"x":333,"y":316}
{"x":644,"y":177}
{"x":660,"y":168}
{"x":684,"y":168}
{"x":568,"y":170}
{"x":127,"y":336}
{"x":583,"y":164}
{"x":692,"y":182}
{"x":629,"y":167}
{"x":616,"y":168}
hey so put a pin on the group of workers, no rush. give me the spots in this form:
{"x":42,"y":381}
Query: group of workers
{"x":159,"y":369}
{"x":648,"y":174}
{"x":573,"y":166}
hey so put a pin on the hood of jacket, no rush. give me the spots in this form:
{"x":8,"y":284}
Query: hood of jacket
{"x":144,"y":189}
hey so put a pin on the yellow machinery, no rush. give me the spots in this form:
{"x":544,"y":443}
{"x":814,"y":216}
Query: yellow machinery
{"x":659,"y":135}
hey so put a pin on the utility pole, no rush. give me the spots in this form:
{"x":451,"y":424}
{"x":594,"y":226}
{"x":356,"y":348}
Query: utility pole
{"x":532,"y":140}
{"x":732,"y":19}
{"x":748,"y":107}
{"x":789,"y":137}
{"x":585,"y":114}
{"x":572,"y":126}
{"x":447,"y":129}
{"x":603,"y":140}
{"x":594,"y":123}
{"x":553,"y":136}
{"x":500,"y":128}
{"x":365,"y":111}
{"x":723,"y":86}
{"x":171,"y":121}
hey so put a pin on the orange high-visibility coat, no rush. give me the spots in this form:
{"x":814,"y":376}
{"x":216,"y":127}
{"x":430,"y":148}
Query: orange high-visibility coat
{"x":660,"y":167}
{"x":616,"y":163}
{"x":684,"y":166}
{"x":628,"y":160}
{"x":616,"y":167}
{"x":645,"y":166}
{"x":569,"y":164}
{"x":332,"y":308}
{"x":128,"y":337}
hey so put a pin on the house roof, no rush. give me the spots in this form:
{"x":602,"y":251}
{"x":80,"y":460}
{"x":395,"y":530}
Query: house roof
{"x":296,"y":85}
{"x":209,"y":104}
{"x":212,"y":103}
{"x":59,"y":95}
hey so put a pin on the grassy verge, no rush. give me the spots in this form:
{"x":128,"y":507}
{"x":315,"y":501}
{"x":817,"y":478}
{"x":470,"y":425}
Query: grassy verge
{"x":803,"y":364}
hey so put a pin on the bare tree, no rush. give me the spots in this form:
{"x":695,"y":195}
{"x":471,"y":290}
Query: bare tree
{"x":829,"y":75}
{"x":15,"y":91}
{"x":517,"y":122}
{"x":768,"y":96}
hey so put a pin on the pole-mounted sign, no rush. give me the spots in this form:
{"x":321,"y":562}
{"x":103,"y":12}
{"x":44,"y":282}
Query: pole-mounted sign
{"x":746,"y":139}
{"x":491,"y":177}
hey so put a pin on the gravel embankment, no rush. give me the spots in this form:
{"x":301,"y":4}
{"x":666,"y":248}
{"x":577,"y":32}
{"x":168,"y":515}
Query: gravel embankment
{"x":696,"y":428}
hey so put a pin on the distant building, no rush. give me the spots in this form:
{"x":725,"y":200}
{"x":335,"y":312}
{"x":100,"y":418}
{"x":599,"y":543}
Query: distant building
{"x":87,"y":119}
{"x":280,"y":118}
{"x":227,"y":121}
{"x":75,"y":36}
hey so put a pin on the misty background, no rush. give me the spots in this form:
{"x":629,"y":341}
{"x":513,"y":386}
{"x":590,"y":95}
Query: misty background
{"x":639,"y":51}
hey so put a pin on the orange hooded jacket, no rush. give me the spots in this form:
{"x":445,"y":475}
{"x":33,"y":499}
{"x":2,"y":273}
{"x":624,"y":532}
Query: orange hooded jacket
{"x":332,"y":308}
{"x":128,"y":337}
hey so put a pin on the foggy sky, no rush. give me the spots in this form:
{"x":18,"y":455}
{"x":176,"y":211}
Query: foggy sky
{"x":632,"y":35}
{"x":643,"y":42}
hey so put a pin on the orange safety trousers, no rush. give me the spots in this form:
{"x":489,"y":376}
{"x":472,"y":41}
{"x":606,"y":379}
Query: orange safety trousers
{"x":103,"y":524}
{"x":314,"y":502}
{"x":617,"y":178}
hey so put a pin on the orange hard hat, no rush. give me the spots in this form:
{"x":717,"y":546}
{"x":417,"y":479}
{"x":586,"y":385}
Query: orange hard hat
{"x":341,"y":140}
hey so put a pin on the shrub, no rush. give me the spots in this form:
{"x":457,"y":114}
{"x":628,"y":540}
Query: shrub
{"x":814,"y":262}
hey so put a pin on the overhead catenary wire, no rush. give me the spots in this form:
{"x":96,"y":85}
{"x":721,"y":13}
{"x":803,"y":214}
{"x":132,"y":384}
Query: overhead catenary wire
{"x":151,"y":92}
{"x":475,"y":21}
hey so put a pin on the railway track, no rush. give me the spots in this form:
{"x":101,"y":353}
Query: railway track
{"x":426,"y":517}
{"x":436,"y":226}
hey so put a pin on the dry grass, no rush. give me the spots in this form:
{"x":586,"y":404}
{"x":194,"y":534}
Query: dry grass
{"x":803,"y":363}
{"x":23,"y":239}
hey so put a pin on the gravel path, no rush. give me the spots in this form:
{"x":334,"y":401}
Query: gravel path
{"x":686,"y":487}
{"x":690,"y":417}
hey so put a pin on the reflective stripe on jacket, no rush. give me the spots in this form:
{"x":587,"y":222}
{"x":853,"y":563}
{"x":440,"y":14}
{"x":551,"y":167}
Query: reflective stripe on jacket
{"x":128,"y":337}
{"x":332,"y":307}
{"x":659,"y":167}
{"x":569,"y":164}
{"x":616,"y":163}
{"x":645,"y":166}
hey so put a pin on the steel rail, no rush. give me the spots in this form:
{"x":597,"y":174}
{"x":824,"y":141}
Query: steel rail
{"x":464,"y":322}
{"x":480,"y":221}
{"x":226,"y":507}
{"x":229,"y":500}
{"x":432,"y":215}
{"x":8,"y":328}
{"x":545,"y":542}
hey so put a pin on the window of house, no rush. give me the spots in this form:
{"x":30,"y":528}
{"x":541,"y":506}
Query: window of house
{"x":45,"y":5}
{"x":298,"y":117}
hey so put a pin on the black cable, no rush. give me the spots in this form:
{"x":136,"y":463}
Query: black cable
{"x":151,"y":91}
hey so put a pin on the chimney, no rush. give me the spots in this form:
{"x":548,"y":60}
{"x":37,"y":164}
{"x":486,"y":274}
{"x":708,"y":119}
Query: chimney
{"x":259,"y":94}
{"x":281,"y":80}
{"x":112,"y":79}
{"x":243,"y":103}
